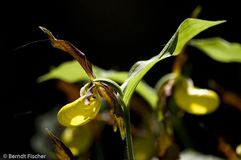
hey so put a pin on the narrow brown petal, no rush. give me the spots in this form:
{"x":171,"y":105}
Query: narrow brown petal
{"x":116,"y":111}
{"x":62,"y":152}
{"x":72,"y":50}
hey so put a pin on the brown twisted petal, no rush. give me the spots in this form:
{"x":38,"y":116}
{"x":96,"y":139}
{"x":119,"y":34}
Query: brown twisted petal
{"x":72,"y":50}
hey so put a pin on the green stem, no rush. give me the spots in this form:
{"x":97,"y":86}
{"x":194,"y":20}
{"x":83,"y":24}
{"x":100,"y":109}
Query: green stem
{"x":111,"y":83}
{"x":129,"y":144}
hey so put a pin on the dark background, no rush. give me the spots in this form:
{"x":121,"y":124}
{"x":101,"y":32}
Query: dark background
{"x":112,"y":34}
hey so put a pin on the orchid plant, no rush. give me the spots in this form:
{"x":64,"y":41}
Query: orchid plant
{"x":86,"y":107}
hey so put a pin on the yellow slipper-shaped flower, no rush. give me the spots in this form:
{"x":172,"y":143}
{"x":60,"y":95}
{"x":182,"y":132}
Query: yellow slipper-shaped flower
{"x":194,"y":100}
{"x":78,"y":112}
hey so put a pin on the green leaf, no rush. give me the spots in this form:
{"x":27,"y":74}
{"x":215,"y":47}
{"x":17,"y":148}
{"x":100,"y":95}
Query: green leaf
{"x":190,"y":28}
{"x":62,"y":152}
{"x":147,"y":93}
{"x":68,"y":71}
{"x":187,"y":30}
{"x":71,"y":72}
{"x":219,"y":49}
{"x":164,"y":79}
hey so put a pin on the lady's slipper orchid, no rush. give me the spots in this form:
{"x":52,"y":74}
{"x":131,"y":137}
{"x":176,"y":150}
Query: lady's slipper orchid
{"x":194,"y":100}
{"x":85,"y":108}
{"x":80,"y":111}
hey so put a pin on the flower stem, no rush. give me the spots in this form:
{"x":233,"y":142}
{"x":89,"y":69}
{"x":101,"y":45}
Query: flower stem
{"x":129,"y":144}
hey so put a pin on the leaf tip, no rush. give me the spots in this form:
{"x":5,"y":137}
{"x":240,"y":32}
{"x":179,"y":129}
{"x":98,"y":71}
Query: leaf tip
{"x":50,"y":133}
{"x":48,"y":33}
{"x":40,"y":80}
{"x":54,"y":138}
{"x":223,"y":21}
{"x":43,"y":29}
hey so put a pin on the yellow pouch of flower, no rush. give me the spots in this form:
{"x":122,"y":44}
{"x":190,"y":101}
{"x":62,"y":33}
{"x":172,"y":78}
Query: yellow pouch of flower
{"x":194,"y":100}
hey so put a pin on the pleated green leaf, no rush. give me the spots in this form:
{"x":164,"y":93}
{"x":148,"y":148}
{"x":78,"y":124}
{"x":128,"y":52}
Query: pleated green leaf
{"x":186,"y":31}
